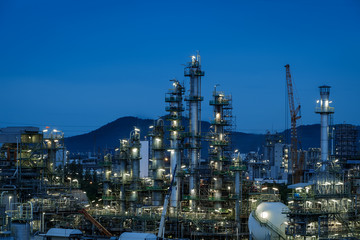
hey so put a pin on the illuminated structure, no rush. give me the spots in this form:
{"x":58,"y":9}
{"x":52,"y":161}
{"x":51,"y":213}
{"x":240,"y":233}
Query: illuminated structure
{"x":324,"y":110}
{"x":175,"y":99}
{"x":325,"y":207}
{"x":131,"y":175}
{"x":219,"y":148}
{"x":211,"y":199}
{"x":276,"y":152}
{"x":194,"y":72}
{"x":157,"y":166}
{"x":34,"y":187}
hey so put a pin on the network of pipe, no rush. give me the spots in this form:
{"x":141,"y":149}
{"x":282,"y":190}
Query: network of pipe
{"x":200,"y":186}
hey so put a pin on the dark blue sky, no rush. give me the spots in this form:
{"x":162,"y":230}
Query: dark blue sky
{"x":77,"y":65}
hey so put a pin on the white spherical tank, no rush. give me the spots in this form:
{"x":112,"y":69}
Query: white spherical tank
{"x":268,"y":221}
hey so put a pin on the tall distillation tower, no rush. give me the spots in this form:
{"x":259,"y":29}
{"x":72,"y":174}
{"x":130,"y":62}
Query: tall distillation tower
{"x":122,"y":173}
{"x":174,"y":97}
{"x":157,"y":162}
{"x":324,"y":110}
{"x":135,"y":167}
{"x":219,"y":148}
{"x":193,"y":71}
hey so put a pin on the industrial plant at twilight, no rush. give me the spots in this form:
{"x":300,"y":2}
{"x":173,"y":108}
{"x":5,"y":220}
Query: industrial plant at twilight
{"x":179,"y":181}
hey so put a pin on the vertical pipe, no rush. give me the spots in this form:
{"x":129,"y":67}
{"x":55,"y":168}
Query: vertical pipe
{"x":237,"y":203}
{"x":218,"y":119}
{"x":219,"y":144}
{"x":175,"y":97}
{"x":106,"y":179}
{"x":135,"y":167}
{"x":158,"y":165}
{"x":175,"y":193}
{"x":324,"y":110}
{"x":17,"y":160}
{"x":324,"y":140}
{"x":193,"y":70}
{"x":123,"y":155}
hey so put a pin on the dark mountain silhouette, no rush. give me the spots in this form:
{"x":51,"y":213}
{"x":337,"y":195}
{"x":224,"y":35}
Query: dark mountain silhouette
{"x":107,"y":136}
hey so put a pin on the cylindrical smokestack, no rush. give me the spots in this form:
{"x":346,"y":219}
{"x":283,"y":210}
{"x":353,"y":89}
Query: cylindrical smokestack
{"x":324,"y":110}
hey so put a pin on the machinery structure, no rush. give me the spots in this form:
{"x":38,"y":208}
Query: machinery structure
{"x":33,"y":180}
{"x":219,"y":153}
{"x":325,"y":111}
{"x":276,"y":156}
{"x":202,"y":194}
{"x":221,"y":195}
{"x":157,"y":165}
{"x":127,"y":173}
{"x":325,"y":207}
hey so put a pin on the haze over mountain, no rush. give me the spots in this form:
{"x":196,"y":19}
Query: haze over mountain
{"x":107,"y":136}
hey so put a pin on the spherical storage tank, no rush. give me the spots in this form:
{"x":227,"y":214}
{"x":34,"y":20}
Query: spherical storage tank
{"x":268,"y":221}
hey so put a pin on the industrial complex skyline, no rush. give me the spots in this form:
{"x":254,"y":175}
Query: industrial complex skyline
{"x":79,"y":65}
{"x":155,"y":70}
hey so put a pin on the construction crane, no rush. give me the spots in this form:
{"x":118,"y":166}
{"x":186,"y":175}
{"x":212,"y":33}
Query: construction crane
{"x":296,"y":165}
{"x":96,"y":223}
{"x":166,"y":203}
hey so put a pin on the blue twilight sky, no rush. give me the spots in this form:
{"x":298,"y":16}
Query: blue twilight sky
{"x":77,"y":65}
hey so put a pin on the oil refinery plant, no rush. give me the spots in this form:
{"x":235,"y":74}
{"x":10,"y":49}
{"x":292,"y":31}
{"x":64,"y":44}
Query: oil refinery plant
{"x":285,"y":193}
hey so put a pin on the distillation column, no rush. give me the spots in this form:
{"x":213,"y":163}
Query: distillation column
{"x":174,"y":97}
{"x":54,"y":142}
{"x":124,"y":176}
{"x":193,"y":71}
{"x":238,"y":168}
{"x":324,"y":110}
{"x":106,"y":179}
{"x":135,"y":145}
{"x":157,"y":162}
{"x":219,"y":143}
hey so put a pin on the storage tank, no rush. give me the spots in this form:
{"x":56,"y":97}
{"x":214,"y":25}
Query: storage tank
{"x":267,"y":221}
